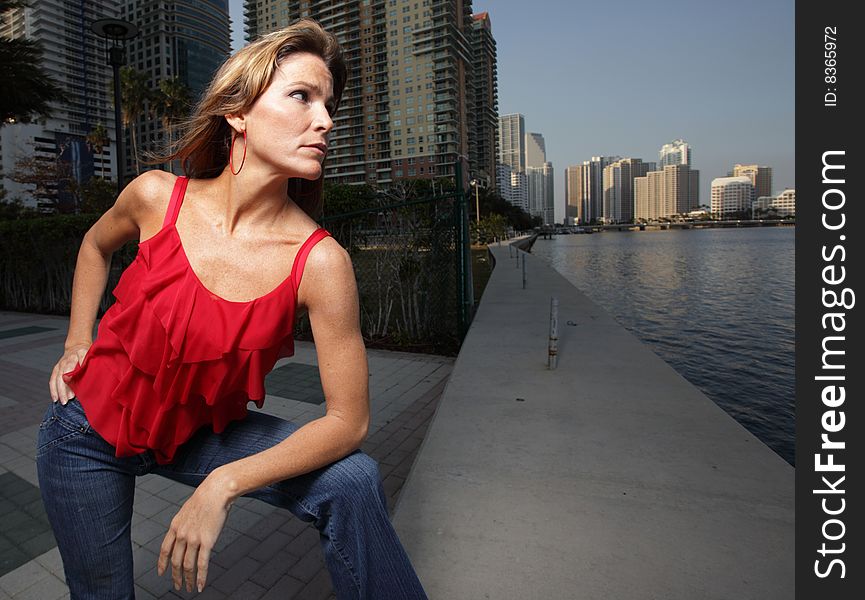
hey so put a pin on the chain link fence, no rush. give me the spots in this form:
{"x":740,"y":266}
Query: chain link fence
{"x":410,"y":264}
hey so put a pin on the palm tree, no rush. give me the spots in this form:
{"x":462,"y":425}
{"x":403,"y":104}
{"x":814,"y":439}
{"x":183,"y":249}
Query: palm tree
{"x":134,"y":94}
{"x":98,"y":139}
{"x":172,"y":103}
{"x":27,"y":89}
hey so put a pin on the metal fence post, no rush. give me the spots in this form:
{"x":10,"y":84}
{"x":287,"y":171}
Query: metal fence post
{"x":524,"y":271}
{"x":554,"y":333}
{"x":465,"y":291}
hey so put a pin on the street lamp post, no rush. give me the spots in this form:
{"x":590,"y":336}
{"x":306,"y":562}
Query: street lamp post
{"x":115,"y":32}
{"x":475,"y":184}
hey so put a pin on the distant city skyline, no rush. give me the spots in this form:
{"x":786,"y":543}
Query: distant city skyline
{"x":718,"y":75}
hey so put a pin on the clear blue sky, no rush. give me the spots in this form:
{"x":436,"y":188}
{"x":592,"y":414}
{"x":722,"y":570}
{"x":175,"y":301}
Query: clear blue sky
{"x":623,"y":78}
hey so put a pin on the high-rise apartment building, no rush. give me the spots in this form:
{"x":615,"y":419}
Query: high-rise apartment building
{"x":619,"y":188}
{"x":591,"y":187}
{"x":75,"y":58}
{"x":188,"y":39}
{"x":484,"y":114}
{"x":677,"y":152}
{"x":541,"y":194}
{"x":732,"y":195}
{"x":540,"y":176}
{"x":673,"y":190}
{"x":536,"y":150}
{"x":513,"y":186}
{"x":405,"y":111}
{"x":573,"y":193}
{"x":783,"y":205}
{"x":512,"y":141}
{"x":761,"y":178}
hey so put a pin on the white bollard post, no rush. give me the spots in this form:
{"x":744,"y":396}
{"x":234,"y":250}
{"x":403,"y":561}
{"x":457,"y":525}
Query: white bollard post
{"x":554,"y":332}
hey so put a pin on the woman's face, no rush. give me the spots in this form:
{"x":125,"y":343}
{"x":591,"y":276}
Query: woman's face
{"x":288,"y":125}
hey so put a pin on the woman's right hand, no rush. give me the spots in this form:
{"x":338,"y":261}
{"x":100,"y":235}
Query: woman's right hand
{"x":72,"y":357}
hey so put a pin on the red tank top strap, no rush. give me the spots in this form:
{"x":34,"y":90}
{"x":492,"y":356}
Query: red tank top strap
{"x":176,"y":201}
{"x":300,"y":259}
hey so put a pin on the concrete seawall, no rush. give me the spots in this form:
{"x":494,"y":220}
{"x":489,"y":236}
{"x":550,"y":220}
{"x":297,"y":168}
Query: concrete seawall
{"x":610,"y":477}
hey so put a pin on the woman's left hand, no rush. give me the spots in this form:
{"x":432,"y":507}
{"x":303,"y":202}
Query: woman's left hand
{"x":193,"y":533}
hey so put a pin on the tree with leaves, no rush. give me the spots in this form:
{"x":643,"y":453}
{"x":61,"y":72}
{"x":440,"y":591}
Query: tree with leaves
{"x":48,"y":177}
{"x":98,"y":139}
{"x":27,"y":88}
{"x":135,"y":97}
{"x":172,"y":100}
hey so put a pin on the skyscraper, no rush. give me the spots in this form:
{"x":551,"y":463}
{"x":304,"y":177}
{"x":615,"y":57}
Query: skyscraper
{"x":74,"y":57}
{"x":540,"y":177}
{"x":513,"y":186}
{"x":761,"y":178}
{"x":619,"y":188}
{"x":484,"y":114}
{"x":573,"y":206}
{"x":512,"y":140}
{"x":405,"y":111}
{"x":591,"y":188}
{"x":187,"y":39}
{"x":677,"y":152}
{"x":673,"y":190}
{"x":732,"y":195}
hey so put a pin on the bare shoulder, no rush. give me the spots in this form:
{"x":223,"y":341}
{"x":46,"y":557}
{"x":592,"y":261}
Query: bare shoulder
{"x":145,"y":200}
{"x":328,"y":274}
{"x":136,"y":214}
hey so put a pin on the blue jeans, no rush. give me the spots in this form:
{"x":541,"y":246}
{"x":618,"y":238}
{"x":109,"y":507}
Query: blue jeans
{"x":88,"y":494}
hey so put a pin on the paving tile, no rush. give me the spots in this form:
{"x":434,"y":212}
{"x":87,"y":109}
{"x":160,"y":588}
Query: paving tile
{"x":142,"y":594}
{"x":148,"y":505}
{"x":272,"y":544}
{"x":273,"y":569}
{"x":305,"y":541}
{"x":248,"y":591}
{"x":176,"y":493}
{"x":242,"y":519}
{"x":52,"y":561}
{"x":143,"y":560}
{"x":319,"y":588}
{"x":145,"y":530}
{"x":153,"y":483}
{"x":234,"y":577}
{"x":238,"y":549}
{"x":308,"y":566}
{"x":23,"y":577}
{"x":285,"y":587}
{"x":47,"y":588}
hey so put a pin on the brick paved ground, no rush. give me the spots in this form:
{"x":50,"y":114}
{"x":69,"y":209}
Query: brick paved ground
{"x":263,"y":552}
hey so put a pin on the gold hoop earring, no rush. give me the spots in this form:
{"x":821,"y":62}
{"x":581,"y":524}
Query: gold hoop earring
{"x":231,"y":154}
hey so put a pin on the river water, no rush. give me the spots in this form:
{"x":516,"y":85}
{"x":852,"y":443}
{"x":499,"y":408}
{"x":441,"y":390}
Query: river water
{"x":715,"y":304}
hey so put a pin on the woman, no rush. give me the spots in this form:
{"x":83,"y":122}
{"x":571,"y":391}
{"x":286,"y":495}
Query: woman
{"x":226,"y":260}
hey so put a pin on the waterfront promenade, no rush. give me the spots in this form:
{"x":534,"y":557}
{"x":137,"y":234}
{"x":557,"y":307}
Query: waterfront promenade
{"x":263,"y":553}
{"x":610,"y":477}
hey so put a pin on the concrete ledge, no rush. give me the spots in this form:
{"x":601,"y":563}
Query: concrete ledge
{"x":609,"y":477}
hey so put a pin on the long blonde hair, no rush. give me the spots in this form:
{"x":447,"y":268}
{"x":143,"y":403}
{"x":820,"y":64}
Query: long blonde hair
{"x":205,"y":140}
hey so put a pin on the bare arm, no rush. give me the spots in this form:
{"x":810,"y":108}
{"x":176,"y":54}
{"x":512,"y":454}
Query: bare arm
{"x":121,"y":223}
{"x":330,"y":292}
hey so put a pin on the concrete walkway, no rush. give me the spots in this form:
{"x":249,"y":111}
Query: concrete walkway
{"x":263,"y":553}
{"x":610,"y":477}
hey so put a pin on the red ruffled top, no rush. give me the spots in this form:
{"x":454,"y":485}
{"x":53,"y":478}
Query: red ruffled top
{"x":171,"y":357}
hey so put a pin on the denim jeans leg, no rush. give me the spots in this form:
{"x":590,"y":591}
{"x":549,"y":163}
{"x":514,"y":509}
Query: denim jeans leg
{"x":345,"y":501}
{"x":88,"y":496}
